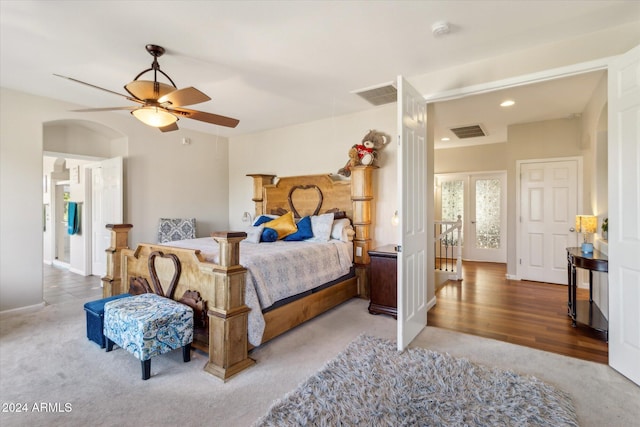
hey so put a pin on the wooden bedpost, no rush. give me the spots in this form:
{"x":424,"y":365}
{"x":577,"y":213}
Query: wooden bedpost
{"x":112,"y":281}
{"x":362,"y":195}
{"x":228,"y":314}
{"x":259,"y":181}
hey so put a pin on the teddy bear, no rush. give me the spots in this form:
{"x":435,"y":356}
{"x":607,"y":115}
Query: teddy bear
{"x":366,"y":152}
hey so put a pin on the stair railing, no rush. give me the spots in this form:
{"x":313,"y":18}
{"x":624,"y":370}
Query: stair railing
{"x":448,"y":247}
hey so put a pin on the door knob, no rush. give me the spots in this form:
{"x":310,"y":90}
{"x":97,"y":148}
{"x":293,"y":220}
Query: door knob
{"x":572,"y":229}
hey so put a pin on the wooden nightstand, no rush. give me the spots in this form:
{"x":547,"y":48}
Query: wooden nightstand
{"x":383,"y":280}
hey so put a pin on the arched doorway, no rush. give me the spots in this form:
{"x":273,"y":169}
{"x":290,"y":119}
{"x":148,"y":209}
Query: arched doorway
{"x":72,"y":151}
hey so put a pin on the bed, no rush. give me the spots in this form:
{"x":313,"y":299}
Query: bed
{"x":223,"y":277}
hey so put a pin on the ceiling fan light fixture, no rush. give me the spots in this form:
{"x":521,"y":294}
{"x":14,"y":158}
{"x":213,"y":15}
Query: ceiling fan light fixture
{"x":154,"y":116}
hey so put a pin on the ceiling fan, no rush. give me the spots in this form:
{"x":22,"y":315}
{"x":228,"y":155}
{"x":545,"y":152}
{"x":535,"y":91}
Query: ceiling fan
{"x":161,"y":104}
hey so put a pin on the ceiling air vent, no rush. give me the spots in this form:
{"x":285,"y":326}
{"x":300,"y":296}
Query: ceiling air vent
{"x":464,"y":132}
{"x":379,"y":95}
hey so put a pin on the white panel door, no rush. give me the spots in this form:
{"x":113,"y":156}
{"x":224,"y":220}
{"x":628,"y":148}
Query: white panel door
{"x":107,"y":199}
{"x":624,"y":215}
{"x":548,"y":207}
{"x":412,"y":180}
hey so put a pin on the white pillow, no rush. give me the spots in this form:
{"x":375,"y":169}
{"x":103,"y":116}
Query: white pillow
{"x":254,"y":233}
{"x":340,"y":229}
{"x":321,"y":227}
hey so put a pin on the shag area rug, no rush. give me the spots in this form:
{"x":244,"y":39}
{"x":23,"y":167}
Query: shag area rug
{"x":371,"y":384}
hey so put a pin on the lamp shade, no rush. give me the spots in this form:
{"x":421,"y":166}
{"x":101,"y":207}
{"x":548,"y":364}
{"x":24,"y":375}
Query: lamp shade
{"x":586,"y":223}
{"x":153,"y":116}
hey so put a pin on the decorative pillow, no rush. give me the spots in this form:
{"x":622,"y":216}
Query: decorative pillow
{"x":321,"y":226}
{"x":264,"y":218}
{"x":172,"y":229}
{"x":304,"y":231}
{"x":284,"y":225}
{"x":269,"y":235}
{"x":254,"y":234}
{"x":339,"y":230}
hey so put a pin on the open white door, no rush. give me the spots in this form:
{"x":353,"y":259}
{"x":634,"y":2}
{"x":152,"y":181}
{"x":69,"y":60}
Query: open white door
{"x":107,"y":198}
{"x":412,"y":199}
{"x":624,"y":215}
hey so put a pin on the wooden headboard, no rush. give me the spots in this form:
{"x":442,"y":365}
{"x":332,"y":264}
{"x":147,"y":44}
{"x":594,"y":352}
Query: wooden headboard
{"x":307,"y":195}
{"x":317,"y":194}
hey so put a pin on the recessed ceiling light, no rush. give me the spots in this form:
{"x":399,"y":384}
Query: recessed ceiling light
{"x":507,"y":103}
{"x":445,"y":139}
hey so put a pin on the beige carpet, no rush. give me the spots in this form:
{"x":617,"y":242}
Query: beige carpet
{"x":47,"y":362}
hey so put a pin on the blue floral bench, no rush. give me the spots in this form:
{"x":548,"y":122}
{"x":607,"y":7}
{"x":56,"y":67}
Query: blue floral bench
{"x":148,"y":325}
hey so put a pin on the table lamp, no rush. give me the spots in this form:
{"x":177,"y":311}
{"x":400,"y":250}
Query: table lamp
{"x":586,"y":224}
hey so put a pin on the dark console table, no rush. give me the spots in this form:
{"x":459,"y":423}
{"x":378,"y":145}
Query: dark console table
{"x":583,"y":311}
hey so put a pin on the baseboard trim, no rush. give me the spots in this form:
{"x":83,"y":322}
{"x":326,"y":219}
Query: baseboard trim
{"x":431,"y":303}
{"x":25,"y":309}
{"x":512,"y":277}
{"x":76,"y":271}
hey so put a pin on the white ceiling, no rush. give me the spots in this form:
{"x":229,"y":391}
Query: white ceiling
{"x":277,"y":63}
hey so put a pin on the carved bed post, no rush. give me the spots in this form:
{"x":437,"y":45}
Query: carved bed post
{"x":112,"y":281}
{"x":228,"y":314}
{"x":362,"y":195}
{"x":259,"y":181}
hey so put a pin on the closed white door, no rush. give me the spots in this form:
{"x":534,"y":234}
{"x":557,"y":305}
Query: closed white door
{"x":412,"y":199}
{"x":624,"y":215}
{"x":548,"y":207}
{"x":107,"y":200}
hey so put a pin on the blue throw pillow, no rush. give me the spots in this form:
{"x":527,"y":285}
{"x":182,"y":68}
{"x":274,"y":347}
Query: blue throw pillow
{"x":261,"y":220}
{"x":304,"y":231}
{"x":269,"y":235}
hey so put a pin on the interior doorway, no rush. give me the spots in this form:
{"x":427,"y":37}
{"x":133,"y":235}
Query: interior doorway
{"x":71,"y":150}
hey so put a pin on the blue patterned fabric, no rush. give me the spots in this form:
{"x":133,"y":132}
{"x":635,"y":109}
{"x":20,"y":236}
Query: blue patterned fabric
{"x":148,"y":325}
{"x":172,"y":229}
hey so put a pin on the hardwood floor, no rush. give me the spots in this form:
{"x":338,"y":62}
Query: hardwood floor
{"x":532,"y":314}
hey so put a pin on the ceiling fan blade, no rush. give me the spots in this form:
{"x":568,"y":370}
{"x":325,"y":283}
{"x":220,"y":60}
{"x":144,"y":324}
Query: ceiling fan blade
{"x":169,"y":128}
{"x":214,"y":119}
{"x":98,"y":87}
{"x":86,"y":110}
{"x":184,"y":96}
{"x":145,"y":89}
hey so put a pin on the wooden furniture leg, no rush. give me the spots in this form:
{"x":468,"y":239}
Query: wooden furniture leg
{"x":112,"y":281}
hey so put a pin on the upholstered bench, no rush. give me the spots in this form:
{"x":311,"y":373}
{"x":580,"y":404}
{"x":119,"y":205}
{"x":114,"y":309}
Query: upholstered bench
{"x":148,"y":325}
{"x":95,"y":316}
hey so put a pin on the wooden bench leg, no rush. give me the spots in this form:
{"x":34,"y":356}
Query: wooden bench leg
{"x":109,"y":344}
{"x":186,"y":353}
{"x":146,"y":369}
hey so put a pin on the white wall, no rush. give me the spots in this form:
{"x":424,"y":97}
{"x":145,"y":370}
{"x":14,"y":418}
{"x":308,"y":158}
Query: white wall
{"x":162,"y":176}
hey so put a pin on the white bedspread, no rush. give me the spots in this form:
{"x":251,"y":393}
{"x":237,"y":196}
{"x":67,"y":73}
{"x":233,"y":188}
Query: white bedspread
{"x":279,"y":270}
